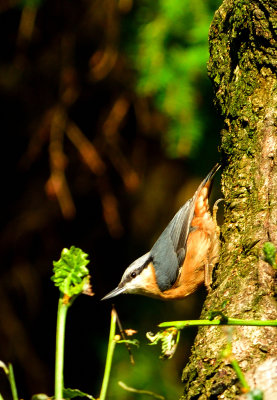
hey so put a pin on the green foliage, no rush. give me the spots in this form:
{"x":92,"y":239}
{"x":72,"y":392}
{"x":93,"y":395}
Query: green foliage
{"x":270,"y":254}
{"x":170,"y":53}
{"x":255,"y":394}
{"x":72,"y":393}
{"x":71,"y":275}
{"x":169,"y":339}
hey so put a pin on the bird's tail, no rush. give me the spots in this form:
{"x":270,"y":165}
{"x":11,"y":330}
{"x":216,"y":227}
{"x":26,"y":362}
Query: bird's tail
{"x":203,"y":192}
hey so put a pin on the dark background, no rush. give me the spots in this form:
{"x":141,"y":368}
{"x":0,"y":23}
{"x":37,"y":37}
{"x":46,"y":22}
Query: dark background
{"x":107,"y":127}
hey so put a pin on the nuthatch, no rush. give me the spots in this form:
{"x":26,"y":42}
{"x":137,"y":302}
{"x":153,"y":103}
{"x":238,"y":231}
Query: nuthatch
{"x":183,"y":256}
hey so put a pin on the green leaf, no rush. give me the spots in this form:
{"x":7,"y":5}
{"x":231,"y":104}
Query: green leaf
{"x":255,"y":394}
{"x":270,"y":254}
{"x":71,"y":393}
{"x":41,"y":396}
{"x":71,"y":275}
{"x":169,"y":339}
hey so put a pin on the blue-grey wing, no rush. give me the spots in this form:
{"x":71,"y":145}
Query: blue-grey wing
{"x":169,"y":251}
{"x":180,"y":225}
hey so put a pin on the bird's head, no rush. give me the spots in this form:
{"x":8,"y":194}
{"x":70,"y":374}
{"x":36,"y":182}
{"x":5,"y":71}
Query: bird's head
{"x":134,"y":279}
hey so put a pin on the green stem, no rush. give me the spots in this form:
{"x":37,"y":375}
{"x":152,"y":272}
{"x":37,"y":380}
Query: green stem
{"x":227,"y":321}
{"x":60,"y":335}
{"x":111,"y":347}
{"x":240,"y":374}
{"x":12,"y":382}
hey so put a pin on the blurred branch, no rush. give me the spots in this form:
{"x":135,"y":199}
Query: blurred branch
{"x":115,"y":118}
{"x":26,"y":24}
{"x":102,"y":62}
{"x":57,"y":184}
{"x":110,"y":208}
{"x":56,"y":123}
{"x":110,"y":131}
{"x":87,"y":150}
{"x":97,"y":166}
{"x":38,"y":139}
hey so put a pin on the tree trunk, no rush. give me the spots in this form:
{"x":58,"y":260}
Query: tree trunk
{"x":242,"y":66}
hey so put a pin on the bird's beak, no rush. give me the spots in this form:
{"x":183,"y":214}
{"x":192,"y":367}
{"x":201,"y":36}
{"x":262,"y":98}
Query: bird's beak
{"x":114,"y":293}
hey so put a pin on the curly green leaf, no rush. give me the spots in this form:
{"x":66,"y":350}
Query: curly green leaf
{"x":71,"y":275}
{"x":169,"y":340}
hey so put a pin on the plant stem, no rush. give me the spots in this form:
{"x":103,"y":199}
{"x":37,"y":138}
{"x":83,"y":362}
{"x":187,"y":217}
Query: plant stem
{"x":227,"y":321}
{"x":12,"y":382}
{"x":60,"y":334}
{"x":111,"y":347}
{"x":240,"y":375}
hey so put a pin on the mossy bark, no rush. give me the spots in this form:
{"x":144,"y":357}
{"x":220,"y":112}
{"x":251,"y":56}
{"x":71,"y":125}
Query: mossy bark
{"x":242,"y":66}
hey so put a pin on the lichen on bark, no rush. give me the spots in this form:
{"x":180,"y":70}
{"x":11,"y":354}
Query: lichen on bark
{"x":242,"y":67}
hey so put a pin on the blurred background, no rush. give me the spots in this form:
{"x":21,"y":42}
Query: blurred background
{"x":107,"y":128}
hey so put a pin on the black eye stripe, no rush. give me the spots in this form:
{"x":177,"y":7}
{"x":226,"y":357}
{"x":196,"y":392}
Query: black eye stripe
{"x":135,"y":273}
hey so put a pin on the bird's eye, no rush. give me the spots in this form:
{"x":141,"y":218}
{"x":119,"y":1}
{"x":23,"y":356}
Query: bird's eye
{"x":133,"y":274}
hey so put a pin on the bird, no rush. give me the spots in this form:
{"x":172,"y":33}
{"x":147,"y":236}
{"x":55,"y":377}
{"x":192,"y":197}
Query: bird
{"x":183,"y":256}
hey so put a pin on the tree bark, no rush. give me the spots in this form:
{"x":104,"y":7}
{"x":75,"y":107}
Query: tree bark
{"x":242,"y":66}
